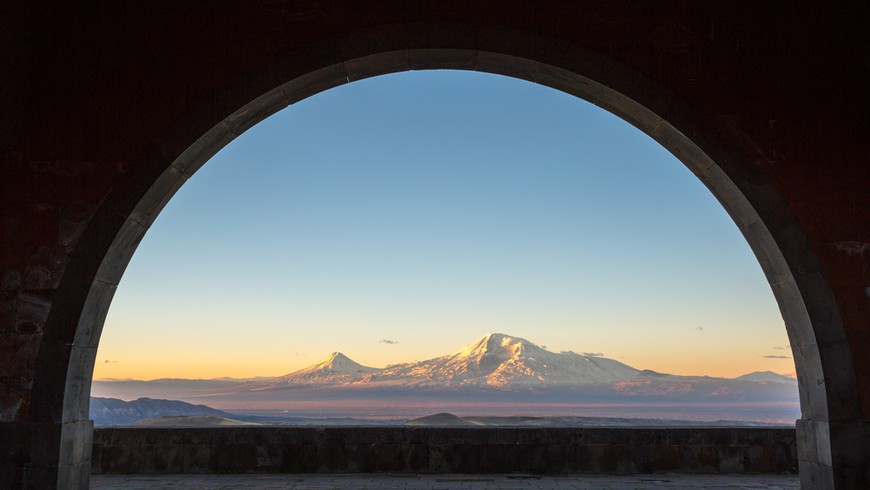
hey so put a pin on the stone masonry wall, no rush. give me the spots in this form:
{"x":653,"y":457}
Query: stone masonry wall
{"x":443,"y":450}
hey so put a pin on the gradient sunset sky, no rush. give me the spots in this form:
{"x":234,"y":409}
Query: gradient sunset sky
{"x":403,"y":217}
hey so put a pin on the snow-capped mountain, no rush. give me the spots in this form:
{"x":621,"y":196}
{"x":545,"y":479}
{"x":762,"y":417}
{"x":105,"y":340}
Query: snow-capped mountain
{"x":336,"y":368}
{"x":495,"y":361}
{"x":497,"y":365}
{"x":502,"y":361}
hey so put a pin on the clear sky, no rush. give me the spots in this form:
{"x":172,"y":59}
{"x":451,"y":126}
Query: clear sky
{"x":402,"y":217}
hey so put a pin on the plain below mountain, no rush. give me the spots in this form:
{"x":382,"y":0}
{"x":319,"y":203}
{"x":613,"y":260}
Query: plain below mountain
{"x":192,"y":421}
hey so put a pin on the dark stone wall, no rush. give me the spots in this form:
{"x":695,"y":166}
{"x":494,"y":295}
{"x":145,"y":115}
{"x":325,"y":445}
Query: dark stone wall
{"x":100,"y":100}
{"x":444,"y":450}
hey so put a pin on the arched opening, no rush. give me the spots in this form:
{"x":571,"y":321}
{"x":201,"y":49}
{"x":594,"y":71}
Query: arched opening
{"x":467,"y":204}
{"x":753,"y":205}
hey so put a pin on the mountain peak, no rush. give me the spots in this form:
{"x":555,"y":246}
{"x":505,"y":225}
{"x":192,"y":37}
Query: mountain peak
{"x":335,"y":356}
{"x":501,"y":337}
{"x":498,"y":344}
{"x":339,"y":363}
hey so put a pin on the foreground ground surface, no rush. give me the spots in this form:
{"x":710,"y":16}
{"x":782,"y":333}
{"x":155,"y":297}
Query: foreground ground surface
{"x":441,"y":482}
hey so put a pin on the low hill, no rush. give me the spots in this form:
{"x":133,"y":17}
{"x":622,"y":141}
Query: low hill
{"x":111,"y":411}
{"x":767,"y":377}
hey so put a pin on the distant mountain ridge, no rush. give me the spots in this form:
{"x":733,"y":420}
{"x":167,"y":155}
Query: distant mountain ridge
{"x":495,"y":364}
{"x":497,"y":361}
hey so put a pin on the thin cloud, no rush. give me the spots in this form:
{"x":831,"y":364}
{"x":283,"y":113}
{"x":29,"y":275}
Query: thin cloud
{"x":700,"y":329}
{"x":389,"y":342}
{"x":777,"y":357}
{"x":782,"y":347}
{"x":108,"y":361}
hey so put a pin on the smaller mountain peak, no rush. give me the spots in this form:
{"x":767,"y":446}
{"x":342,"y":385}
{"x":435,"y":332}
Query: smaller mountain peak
{"x":340,"y":363}
{"x":333,"y":359}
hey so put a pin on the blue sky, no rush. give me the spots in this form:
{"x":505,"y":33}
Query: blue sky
{"x":429,"y":209}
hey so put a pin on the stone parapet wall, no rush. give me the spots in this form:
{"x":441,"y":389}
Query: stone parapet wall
{"x":443,"y":450}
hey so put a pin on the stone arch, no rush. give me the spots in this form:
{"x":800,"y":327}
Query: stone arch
{"x":72,"y":330}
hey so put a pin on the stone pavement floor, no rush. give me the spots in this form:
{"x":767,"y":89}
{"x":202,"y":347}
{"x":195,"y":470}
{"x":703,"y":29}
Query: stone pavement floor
{"x":441,"y":482}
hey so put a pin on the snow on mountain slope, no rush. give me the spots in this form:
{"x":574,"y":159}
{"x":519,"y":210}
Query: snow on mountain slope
{"x":502,"y":361}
